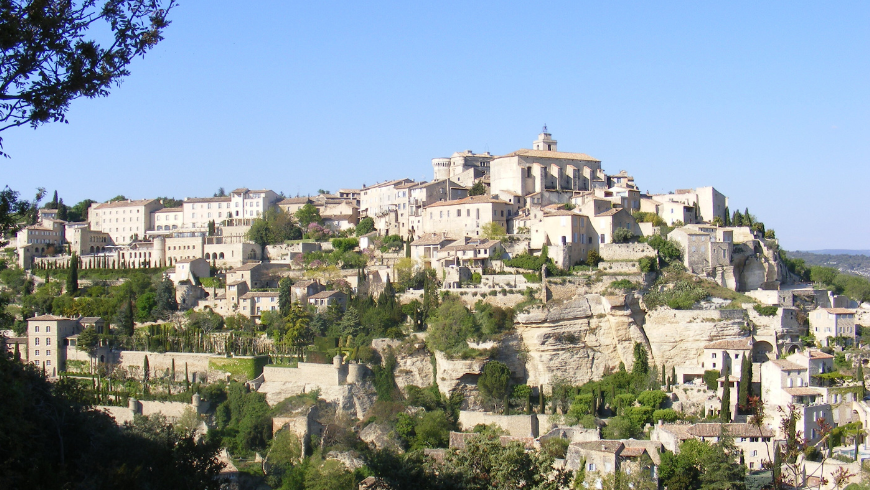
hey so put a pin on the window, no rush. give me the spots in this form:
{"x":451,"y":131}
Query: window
{"x":36,"y":352}
{"x":36,"y":341}
{"x":48,"y":353}
{"x":714,"y":364}
{"x":48,"y":362}
{"x":47,"y":328}
{"x":48,"y":341}
{"x":590,"y":466}
{"x":755,"y":452}
{"x":36,"y":328}
{"x":714,"y":355}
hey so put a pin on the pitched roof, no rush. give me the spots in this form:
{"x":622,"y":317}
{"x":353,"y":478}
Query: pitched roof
{"x":734,"y":430}
{"x":786,"y":365}
{"x":468,"y":200}
{"x":801,"y":391}
{"x":170,"y":210}
{"x":303,"y":284}
{"x":431,"y":239}
{"x":90,"y":319}
{"x":632,"y":452}
{"x":124,"y":204}
{"x":731,"y":344}
{"x":817,"y":354}
{"x":261,"y":294}
{"x":208,"y":199}
{"x":551,"y":154}
{"x":839,"y":311}
{"x":245,"y":267}
{"x":295,"y":200}
{"x":48,"y":318}
{"x":326,"y":294}
{"x":603,"y":446}
{"x":609,"y":212}
{"x":480,"y":245}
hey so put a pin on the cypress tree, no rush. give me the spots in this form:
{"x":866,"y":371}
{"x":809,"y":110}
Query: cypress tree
{"x":186,"y":378}
{"x":747,"y":218}
{"x":664,"y":381}
{"x":727,"y":220}
{"x":674,"y":375}
{"x":146,"y":371}
{"x":859,"y":373}
{"x":542,"y":400}
{"x":725,"y":411}
{"x":744,"y":391}
{"x":17,"y":352}
{"x":72,"y":279}
{"x":173,"y":370}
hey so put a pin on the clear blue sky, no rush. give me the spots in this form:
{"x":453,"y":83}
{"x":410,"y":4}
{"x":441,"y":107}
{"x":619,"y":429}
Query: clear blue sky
{"x":767,"y":101}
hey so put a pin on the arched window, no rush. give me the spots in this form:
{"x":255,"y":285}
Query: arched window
{"x":221,"y":256}
{"x":207,"y":256}
{"x":92,"y":249}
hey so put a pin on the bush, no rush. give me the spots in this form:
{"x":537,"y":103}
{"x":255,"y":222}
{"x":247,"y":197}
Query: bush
{"x":652,"y":398}
{"x":766,"y":310}
{"x":666,"y":415}
{"x":668,"y":250}
{"x":623,"y":284}
{"x":648,"y":264}
{"x":476,"y":278}
{"x":622,"y":235}
{"x":555,"y":447}
{"x":682,"y":296}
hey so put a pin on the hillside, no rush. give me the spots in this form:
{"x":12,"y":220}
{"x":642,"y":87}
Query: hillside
{"x":856,"y":262}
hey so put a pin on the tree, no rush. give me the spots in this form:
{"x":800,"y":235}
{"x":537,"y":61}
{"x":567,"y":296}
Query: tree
{"x":284,"y":296}
{"x":146,"y":371}
{"x":745,"y":390}
{"x":308,"y":214}
{"x":15,"y":212}
{"x":48,"y":62}
{"x":859,"y":373}
{"x":220,"y":192}
{"x":88,"y":341}
{"x":493,"y":231}
{"x":211,"y":228}
{"x":350,"y":323}
{"x":478,"y":189}
{"x":727,"y":220}
{"x":62,"y":211}
{"x":725,"y":411}
{"x":72,"y":278}
{"x":365,"y":226}
{"x":494,"y":382}
{"x":641,"y":360}
{"x":622,"y":235}
{"x":298,"y":333}
{"x":164,"y":299}
{"x":79,"y":212}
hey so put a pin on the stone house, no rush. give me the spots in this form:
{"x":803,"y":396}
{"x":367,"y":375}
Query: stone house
{"x":607,"y":222}
{"x":703,"y":251}
{"x":168,"y":219}
{"x":476,"y":254}
{"x":726,"y":356}
{"x":124,"y":221}
{"x":425,"y":249}
{"x":756,"y":444}
{"x":190,"y":270}
{"x":569,"y":235}
{"x":604,"y":457}
{"x":828,"y":323}
{"x":197,"y":212}
{"x":253,"y":303}
{"x":325,"y":299}
{"x":300,"y":291}
{"x":466,"y":217}
{"x":51,"y":342}
{"x":710,"y":203}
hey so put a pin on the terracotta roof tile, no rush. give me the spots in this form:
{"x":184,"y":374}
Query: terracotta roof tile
{"x":731,"y":344}
{"x":551,"y":154}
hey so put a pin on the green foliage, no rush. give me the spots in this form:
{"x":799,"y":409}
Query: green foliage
{"x":344,"y":244}
{"x":494,"y":383}
{"x":668,"y":250}
{"x":621,"y":427}
{"x":87,"y":446}
{"x":765,"y":310}
{"x":710,"y":377}
{"x":725,"y":410}
{"x":703,"y":465}
{"x":667,"y":415}
{"x":648,"y":264}
{"x":622,"y":235}
{"x":681,"y":296}
{"x":641,"y":360}
{"x":385,"y":379}
{"x":476,"y":278}
{"x":307,"y":215}
{"x":72,"y":278}
{"x":647,"y":217}
{"x":365,"y":226}
{"x":593,"y":258}
{"x":528,"y":261}
{"x":493,"y":231}
{"x":275,"y":226}
{"x":555,"y":447}
{"x":623,"y":285}
{"x":478,"y":189}
{"x":744,"y":388}
{"x":243,"y":420}
{"x":245,"y":368}
{"x":652,"y":398}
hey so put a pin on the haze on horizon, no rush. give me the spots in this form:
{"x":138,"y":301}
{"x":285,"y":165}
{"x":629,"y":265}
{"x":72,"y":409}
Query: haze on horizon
{"x":768,"y":103}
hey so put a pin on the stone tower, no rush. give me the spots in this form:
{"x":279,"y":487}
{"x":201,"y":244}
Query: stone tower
{"x":545,"y":141}
{"x":441,"y":166}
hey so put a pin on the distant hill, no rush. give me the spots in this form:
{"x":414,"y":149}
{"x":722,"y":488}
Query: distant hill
{"x":835,"y":251}
{"x":847,"y":261}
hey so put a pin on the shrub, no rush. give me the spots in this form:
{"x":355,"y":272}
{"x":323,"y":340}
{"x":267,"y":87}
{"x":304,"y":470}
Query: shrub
{"x":652,"y":398}
{"x":666,"y":415}
{"x":476,"y":278}
{"x":766,"y":310}
{"x":648,"y":264}
{"x":682,"y":296}
{"x":622,"y":235}
{"x":623,"y":284}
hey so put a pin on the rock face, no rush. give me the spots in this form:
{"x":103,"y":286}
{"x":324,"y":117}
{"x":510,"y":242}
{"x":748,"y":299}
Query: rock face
{"x":587,"y":337}
{"x":755,"y":265}
{"x":379,"y":436}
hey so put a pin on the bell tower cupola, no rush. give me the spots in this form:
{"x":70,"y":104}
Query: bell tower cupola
{"x":545,"y":141}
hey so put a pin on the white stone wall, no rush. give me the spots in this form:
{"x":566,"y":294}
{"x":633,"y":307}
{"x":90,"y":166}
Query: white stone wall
{"x":625,"y":251}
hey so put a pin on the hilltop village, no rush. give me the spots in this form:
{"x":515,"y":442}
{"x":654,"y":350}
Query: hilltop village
{"x":531,"y":299}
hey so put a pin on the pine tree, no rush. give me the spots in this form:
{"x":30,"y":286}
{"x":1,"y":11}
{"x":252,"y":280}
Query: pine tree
{"x":745,"y":390}
{"x":72,"y":279}
{"x":725,"y":411}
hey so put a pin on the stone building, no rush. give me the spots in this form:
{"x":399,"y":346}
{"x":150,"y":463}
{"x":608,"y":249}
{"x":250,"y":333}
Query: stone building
{"x":829,"y":323}
{"x":468,"y":216}
{"x":125,"y":221}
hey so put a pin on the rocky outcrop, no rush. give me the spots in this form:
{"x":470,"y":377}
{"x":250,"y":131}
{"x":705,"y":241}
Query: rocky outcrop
{"x":677,"y":337}
{"x":757,"y":265}
{"x":380,"y":436}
